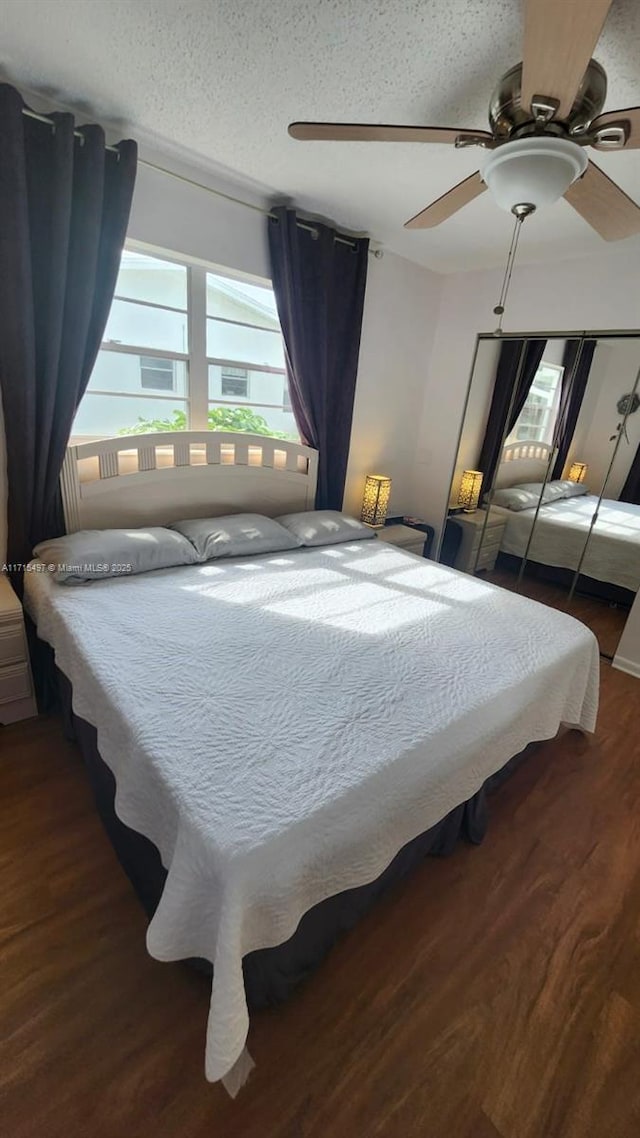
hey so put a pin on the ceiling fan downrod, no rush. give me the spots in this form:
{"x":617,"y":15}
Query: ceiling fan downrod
{"x":520,"y":211}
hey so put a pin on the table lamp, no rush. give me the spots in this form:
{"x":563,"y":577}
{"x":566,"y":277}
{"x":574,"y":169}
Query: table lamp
{"x":375,"y":500}
{"x":578,"y":471}
{"x":469,"y":493}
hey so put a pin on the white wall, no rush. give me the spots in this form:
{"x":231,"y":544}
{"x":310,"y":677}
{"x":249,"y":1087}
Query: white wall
{"x":170,"y":214}
{"x":400,"y":317}
{"x":627,"y":657}
{"x":599,"y":293}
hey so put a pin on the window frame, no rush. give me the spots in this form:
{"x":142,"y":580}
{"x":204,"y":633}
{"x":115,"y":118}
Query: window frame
{"x":196,"y":400}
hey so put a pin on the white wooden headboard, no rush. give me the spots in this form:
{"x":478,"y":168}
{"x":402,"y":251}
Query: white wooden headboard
{"x":523,"y":462}
{"x":138,"y":480}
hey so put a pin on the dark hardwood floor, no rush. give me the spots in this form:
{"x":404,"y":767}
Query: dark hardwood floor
{"x":605,"y":621}
{"x":495,"y":994}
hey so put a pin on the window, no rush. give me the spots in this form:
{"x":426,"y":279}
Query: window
{"x":235,"y":382}
{"x":537,"y":420}
{"x":245,"y":357}
{"x":186,"y":349}
{"x":157,"y":374}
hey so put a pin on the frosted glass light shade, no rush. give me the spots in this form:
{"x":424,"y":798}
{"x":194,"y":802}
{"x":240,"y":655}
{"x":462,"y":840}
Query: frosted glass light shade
{"x":375,"y":501}
{"x":578,"y":471}
{"x":533,"y":171}
{"x":469,"y":493}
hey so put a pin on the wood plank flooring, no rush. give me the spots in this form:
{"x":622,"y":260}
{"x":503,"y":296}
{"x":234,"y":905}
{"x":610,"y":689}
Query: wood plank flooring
{"x":494,"y":994}
{"x":605,"y":621}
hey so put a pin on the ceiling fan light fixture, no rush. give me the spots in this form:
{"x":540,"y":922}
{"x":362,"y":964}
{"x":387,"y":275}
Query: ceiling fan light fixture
{"x":537,"y":171}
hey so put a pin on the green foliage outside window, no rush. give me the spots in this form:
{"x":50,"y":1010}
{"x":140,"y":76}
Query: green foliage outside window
{"x":219,"y":419}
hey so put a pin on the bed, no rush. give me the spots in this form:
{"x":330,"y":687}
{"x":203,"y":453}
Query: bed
{"x":284,"y":727}
{"x":562,"y":527}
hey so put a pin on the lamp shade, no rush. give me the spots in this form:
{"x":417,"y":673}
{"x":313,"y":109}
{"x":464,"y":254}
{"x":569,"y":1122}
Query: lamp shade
{"x":577,"y":471}
{"x":533,"y":171}
{"x":375,"y":501}
{"x":469,"y":493}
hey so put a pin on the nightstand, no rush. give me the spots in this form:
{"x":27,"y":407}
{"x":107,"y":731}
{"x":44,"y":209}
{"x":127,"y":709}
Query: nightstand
{"x":472,"y":533}
{"x":419,"y":526}
{"x":405,"y":537}
{"x":16,"y":687}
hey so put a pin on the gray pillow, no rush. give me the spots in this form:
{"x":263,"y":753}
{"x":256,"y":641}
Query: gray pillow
{"x":93,"y":554}
{"x":552,"y":491}
{"x":514,"y":498}
{"x":325,"y":527}
{"x":235,"y":535}
{"x":570,"y":489}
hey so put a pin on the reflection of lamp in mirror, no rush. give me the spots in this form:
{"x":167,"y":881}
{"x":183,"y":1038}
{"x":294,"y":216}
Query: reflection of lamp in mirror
{"x":469,"y":493}
{"x":375,"y":501}
{"x":577,"y":471}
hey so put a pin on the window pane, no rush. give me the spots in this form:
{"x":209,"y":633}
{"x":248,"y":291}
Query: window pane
{"x":147,"y":327}
{"x":537,"y":420}
{"x":266,"y":409}
{"x":247,"y":345}
{"x":253,"y":418}
{"x":236,"y":300}
{"x":126,"y":372}
{"x":104,"y":416}
{"x":148,"y":278}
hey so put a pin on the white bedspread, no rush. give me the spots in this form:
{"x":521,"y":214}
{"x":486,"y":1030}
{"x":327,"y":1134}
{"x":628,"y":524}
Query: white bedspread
{"x":280,"y":726}
{"x":562,"y":527}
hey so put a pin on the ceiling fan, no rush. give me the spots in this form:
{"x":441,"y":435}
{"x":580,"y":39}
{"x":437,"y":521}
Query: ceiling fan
{"x":543,"y":113}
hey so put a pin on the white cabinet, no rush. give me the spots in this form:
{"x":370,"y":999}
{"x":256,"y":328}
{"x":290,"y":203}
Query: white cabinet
{"x":405,"y":537}
{"x":474,"y":533}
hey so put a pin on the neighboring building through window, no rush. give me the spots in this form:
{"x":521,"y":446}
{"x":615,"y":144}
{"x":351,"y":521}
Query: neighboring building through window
{"x":185,"y":348}
{"x":234,"y":382}
{"x":537,"y":420}
{"x":157,"y":374}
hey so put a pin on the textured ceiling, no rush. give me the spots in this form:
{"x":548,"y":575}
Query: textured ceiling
{"x":221,"y":79}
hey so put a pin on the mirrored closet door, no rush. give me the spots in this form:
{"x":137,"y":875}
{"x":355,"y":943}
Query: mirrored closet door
{"x":545,"y":494}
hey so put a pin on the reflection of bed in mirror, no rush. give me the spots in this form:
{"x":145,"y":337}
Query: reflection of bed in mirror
{"x":610,"y":563}
{"x":562,"y":528}
{"x":553,"y":410}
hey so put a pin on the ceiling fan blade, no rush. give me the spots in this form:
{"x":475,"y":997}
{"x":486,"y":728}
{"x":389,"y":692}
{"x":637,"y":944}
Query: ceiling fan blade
{"x":372,"y":132}
{"x":611,"y":212}
{"x":448,"y":204}
{"x":629,"y":119}
{"x":559,"y":40}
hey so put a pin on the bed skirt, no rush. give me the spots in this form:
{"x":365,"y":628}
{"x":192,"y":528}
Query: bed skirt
{"x":271,"y":974}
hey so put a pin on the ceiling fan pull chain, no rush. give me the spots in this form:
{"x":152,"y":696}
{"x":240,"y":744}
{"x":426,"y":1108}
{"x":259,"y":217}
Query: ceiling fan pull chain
{"x":520,"y":212}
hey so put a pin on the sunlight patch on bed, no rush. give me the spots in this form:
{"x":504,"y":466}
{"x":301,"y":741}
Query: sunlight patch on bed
{"x":254,"y":588}
{"x":375,"y":610}
{"x":389,"y":615}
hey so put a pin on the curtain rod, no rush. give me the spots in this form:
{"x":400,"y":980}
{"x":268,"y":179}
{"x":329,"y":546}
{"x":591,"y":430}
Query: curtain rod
{"x":218,"y":193}
{"x":249,"y":205}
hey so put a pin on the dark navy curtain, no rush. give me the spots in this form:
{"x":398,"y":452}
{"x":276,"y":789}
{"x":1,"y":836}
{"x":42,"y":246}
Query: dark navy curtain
{"x":631,"y":490}
{"x":577,"y":365}
{"x":319,"y":283}
{"x":518,"y":363}
{"x":64,"y":209}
